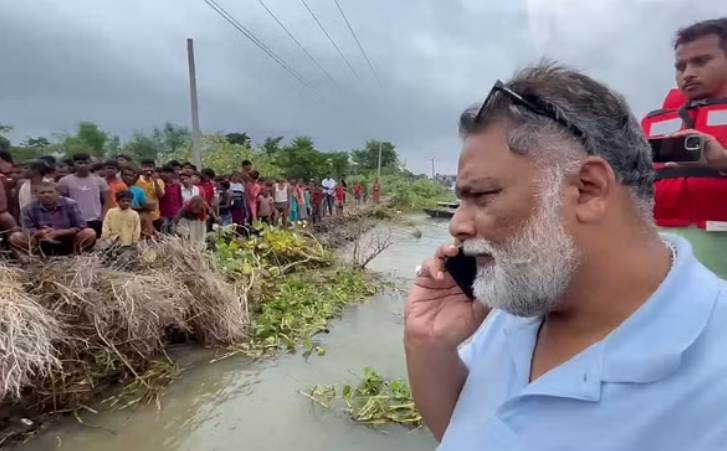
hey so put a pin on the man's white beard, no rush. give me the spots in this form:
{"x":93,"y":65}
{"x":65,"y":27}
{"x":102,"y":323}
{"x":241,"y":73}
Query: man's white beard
{"x":530,"y":272}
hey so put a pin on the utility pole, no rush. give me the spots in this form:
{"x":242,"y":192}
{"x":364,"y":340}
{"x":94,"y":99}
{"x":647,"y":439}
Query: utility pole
{"x":196,"y":134}
{"x":433,"y":173}
{"x":379,"y":171}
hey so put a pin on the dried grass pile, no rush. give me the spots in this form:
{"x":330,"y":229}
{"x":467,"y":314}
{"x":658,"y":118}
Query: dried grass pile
{"x":71,"y":327}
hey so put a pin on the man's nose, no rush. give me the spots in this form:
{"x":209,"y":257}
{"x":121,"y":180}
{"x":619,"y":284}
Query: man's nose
{"x":690,"y":72}
{"x":462,"y":226}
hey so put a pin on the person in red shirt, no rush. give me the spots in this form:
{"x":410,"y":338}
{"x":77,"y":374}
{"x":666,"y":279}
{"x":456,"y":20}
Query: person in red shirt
{"x":692,"y":202}
{"x":340,"y":199}
{"x":252,"y":192}
{"x":357,"y":192}
{"x":316,"y":201}
{"x":171,"y":203}
{"x":207,"y":185}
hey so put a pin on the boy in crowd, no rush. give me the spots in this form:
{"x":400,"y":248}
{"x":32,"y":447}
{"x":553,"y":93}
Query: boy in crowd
{"x":89,"y":191}
{"x":122,"y":224}
{"x":140,"y":203}
{"x":207,"y":185}
{"x":188,"y":188}
{"x":116,"y":185}
{"x":238,"y":199}
{"x":316,"y":202}
{"x":252,"y":191}
{"x":172,"y":202}
{"x":224,"y":205}
{"x":153,"y":187}
{"x":266,"y":206}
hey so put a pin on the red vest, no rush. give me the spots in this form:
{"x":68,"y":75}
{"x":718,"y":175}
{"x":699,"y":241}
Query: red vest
{"x":689,"y":196}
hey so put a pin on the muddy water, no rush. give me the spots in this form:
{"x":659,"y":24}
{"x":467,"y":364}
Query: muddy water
{"x":237,"y":405}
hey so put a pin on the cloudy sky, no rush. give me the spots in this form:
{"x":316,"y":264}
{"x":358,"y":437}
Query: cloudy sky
{"x":122,"y":63}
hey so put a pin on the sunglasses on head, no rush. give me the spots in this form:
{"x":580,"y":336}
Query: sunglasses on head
{"x":534,"y":104}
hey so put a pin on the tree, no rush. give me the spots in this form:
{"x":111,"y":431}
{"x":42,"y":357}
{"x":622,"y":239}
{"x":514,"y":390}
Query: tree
{"x":171,"y":138}
{"x":301,"y":160}
{"x":41,"y":143}
{"x":4,"y":144}
{"x":271,"y":146}
{"x":225,"y":158}
{"x":238,"y":138}
{"x":340,"y":163}
{"x":89,"y":139}
{"x":142,"y":147}
{"x":367,"y":159}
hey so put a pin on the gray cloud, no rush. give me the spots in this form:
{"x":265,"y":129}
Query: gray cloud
{"x":122,"y":64}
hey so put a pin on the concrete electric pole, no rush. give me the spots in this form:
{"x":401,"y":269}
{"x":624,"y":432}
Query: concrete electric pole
{"x":196,"y":134}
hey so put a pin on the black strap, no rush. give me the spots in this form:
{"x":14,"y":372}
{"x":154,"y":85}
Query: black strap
{"x":670,"y":173}
{"x":685,"y":116}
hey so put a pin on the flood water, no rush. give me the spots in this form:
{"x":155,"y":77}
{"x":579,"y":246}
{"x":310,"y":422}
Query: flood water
{"x":236,"y":404}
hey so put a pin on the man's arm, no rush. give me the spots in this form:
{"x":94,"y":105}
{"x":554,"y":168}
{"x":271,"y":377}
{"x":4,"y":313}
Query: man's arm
{"x":136,"y":234}
{"x":3,"y":198}
{"x":63,"y":186}
{"x":75,"y":217}
{"x":158,"y":187}
{"x":105,"y":199}
{"x":106,"y":226}
{"x":27,"y":221}
{"x":436,"y":377}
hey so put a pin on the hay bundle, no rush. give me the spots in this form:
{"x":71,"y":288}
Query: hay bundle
{"x":27,"y":335}
{"x":111,"y":307}
{"x":71,"y":327}
{"x":217,"y":312}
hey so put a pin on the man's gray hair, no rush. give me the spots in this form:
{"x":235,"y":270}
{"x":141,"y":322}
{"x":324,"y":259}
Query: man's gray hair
{"x":611,"y":130}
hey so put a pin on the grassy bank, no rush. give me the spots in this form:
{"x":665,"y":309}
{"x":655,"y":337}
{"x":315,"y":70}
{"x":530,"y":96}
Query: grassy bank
{"x":76,"y":331}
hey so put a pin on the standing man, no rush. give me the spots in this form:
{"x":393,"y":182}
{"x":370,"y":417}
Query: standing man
{"x":153,"y":187}
{"x":692,"y":202}
{"x":329,"y":192}
{"x":601,"y":335}
{"x":89,"y":191}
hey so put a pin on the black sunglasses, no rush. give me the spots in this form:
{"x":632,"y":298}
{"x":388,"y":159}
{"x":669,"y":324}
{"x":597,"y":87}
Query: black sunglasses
{"x":533,"y":103}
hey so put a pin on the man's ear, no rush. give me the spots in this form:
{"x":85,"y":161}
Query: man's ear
{"x":595,"y":182}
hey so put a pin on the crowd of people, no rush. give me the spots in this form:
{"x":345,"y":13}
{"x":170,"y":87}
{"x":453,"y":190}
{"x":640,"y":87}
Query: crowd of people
{"x":60,"y":207}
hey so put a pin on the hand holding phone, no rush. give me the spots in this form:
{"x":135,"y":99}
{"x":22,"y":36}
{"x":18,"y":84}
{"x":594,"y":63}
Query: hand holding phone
{"x":438,"y":313}
{"x":463,"y":269}
{"x":678,"y":149}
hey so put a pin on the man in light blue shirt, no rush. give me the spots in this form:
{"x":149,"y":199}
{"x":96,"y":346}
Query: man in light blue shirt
{"x":591,"y":331}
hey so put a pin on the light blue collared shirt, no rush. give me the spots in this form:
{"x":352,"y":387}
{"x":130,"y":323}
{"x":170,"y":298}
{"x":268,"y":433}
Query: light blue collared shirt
{"x":657,"y":383}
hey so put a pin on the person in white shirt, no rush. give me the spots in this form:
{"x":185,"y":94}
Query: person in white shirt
{"x":188,"y":189}
{"x":329,"y":191}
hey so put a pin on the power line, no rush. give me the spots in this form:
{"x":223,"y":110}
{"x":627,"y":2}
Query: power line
{"x":249,"y":35}
{"x":296,"y":41}
{"x":330,"y":39}
{"x":371,"y":66}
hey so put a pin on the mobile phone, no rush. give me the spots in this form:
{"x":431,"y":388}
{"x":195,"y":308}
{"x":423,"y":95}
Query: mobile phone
{"x":682,"y":149}
{"x":463,"y":269}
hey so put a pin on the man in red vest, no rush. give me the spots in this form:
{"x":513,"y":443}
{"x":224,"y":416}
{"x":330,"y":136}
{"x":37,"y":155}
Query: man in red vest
{"x":691,"y":200}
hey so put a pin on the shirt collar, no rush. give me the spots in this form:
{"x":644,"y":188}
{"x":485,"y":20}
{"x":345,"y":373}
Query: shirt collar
{"x":647,"y":347}
{"x":650,"y":344}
